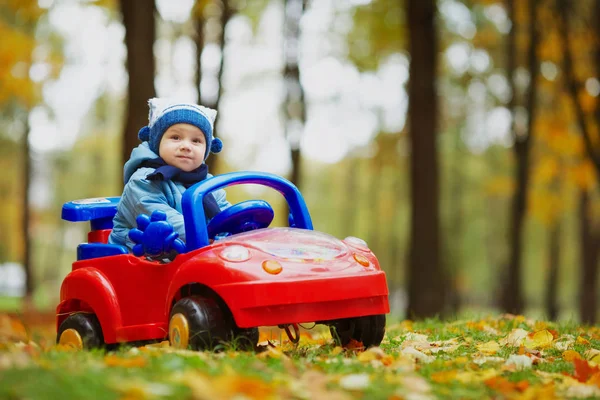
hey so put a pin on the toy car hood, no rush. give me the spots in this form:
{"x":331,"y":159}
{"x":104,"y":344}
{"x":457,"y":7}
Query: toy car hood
{"x":292,"y":245}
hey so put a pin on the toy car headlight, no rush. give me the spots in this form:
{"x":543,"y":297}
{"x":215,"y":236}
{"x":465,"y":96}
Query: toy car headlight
{"x":235,"y":253}
{"x":357,"y":243}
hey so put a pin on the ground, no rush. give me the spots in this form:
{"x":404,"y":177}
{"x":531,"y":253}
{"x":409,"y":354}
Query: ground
{"x":502,"y":356}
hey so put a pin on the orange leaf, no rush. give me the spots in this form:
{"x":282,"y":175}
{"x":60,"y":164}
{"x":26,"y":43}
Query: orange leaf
{"x":583,"y":370}
{"x":594,"y":380}
{"x":521,"y":386}
{"x":500,"y":384}
{"x":582,"y":340}
{"x":355,"y":345}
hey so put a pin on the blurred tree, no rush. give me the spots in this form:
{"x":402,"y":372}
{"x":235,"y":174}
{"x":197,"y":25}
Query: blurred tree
{"x":18,"y":95}
{"x":512,"y":293}
{"x":204,"y":10}
{"x":426,"y":282}
{"x":376,"y":38}
{"x":294,"y":105}
{"x":589,"y":126}
{"x":198,"y":22}
{"x":140,"y":32}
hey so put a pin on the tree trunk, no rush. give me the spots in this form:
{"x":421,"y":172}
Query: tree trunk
{"x":199,"y":44}
{"x":456,"y":228}
{"x":512,"y":295}
{"x":226,"y":14}
{"x":294,"y":108}
{"x":27,"y":264}
{"x":426,"y":289}
{"x":140,"y":32}
{"x":571,"y":82}
{"x":589,"y":262}
{"x":553,"y":267}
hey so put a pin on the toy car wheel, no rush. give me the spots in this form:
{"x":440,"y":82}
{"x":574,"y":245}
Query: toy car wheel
{"x":369,"y":330}
{"x":245,"y":338}
{"x":81,"y":331}
{"x":198,"y":323}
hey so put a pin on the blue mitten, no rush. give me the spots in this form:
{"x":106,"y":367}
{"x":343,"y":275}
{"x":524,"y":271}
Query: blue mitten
{"x":154,"y":236}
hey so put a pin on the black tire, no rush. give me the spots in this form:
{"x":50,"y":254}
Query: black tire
{"x":208,"y":324}
{"x":369,"y":330}
{"x":245,"y":338}
{"x":87,"y":326}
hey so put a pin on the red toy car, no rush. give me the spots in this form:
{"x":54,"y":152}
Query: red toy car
{"x":236,"y":275}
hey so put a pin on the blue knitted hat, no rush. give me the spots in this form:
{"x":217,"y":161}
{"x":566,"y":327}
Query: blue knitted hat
{"x":165,"y":113}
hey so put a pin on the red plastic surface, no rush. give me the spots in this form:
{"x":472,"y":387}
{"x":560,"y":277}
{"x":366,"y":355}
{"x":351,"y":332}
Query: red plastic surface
{"x":99,"y":236}
{"x":133,"y":297}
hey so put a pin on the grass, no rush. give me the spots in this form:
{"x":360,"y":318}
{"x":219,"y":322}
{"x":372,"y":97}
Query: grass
{"x":10,"y":304}
{"x":466,"y":359}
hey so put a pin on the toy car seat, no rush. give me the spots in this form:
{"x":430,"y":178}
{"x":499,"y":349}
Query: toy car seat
{"x":100,"y":212}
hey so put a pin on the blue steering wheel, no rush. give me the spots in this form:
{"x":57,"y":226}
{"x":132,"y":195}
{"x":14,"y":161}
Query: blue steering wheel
{"x":241,"y":217}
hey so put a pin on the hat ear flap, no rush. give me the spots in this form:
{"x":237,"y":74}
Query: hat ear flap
{"x":216,"y":146}
{"x":144,"y":134}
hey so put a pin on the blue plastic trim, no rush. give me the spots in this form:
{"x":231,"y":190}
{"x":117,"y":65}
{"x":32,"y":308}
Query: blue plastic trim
{"x":86,"y":251}
{"x":101,"y":223}
{"x":193,"y":211}
{"x":90,"y":210}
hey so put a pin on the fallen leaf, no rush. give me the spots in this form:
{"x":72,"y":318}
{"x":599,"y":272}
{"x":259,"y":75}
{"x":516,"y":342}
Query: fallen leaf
{"x":519,"y":362}
{"x":354,"y":345}
{"x":355,"y":381}
{"x":480,"y":359}
{"x":515,"y":338}
{"x":564,"y":342}
{"x":583,"y":370}
{"x":539,"y":339}
{"x":501,"y":384}
{"x":489,"y":348}
{"x":130,"y":362}
{"x":582,"y":340}
{"x":592,"y":355}
{"x":375,"y":353}
{"x":411,"y":351}
{"x":443,"y":376}
{"x":272,"y":352}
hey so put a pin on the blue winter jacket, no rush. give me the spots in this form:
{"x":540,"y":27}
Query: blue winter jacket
{"x":142,"y":196}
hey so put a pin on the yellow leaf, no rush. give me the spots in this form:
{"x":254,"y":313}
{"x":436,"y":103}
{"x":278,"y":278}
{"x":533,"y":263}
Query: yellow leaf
{"x":581,"y":340}
{"x":336,"y":350}
{"x":375,"y":353}
{"x":539,"y":339}
{"x":571,"y":355}
{"x":592,"y":355}
{"x":116,"y":361}
{"x":443,"y":376}
{"x":489,"y":348}
{"x":272,"y":352}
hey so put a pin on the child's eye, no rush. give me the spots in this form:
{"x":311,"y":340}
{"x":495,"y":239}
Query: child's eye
{"x":197,"y":141}
{"x":175,"y":137}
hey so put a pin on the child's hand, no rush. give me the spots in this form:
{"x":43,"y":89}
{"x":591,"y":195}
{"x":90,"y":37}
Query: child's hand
{"x":155,"y":236}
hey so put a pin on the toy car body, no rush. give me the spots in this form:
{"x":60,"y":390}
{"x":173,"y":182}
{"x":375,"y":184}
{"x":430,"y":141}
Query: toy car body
{"x":221,"y":290}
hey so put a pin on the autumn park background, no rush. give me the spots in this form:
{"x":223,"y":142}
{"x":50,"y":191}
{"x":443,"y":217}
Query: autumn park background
{"x":460,"y":139}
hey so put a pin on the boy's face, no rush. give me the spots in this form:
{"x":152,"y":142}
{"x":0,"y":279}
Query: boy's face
{"x":183,"y":146}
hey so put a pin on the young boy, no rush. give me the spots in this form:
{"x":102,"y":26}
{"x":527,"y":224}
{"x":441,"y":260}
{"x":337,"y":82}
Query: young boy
{"x":175,"y":144}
